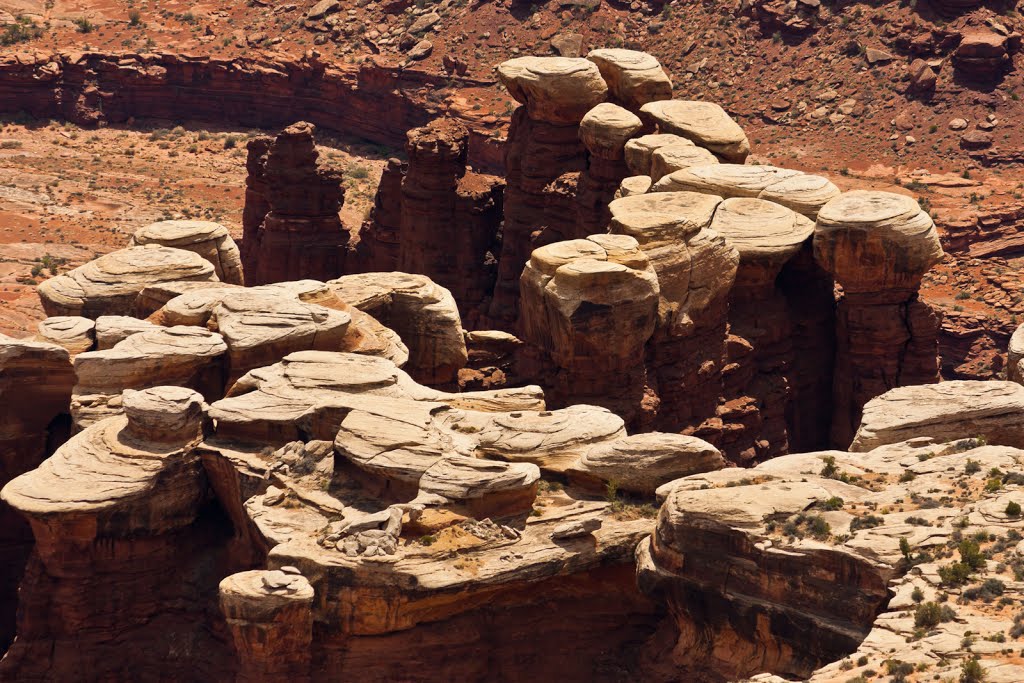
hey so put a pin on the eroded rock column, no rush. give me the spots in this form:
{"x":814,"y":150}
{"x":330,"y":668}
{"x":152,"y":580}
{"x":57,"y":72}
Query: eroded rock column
{"x":379,"y":238}
{"x":604,"y":131}
{"x":878,"y":245}
{"x":589,"y":307}
{"x":301,"y":236}
{"x":543,"y":146}
{"x":696,"y":268}
{"x":270,"y":616}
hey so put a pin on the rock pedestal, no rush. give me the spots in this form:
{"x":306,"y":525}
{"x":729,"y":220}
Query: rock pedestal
{"x":696,"y":268}
{"x":878,"y":245}
{"x":270,"y":616}
{"x":604,"y":131}
{"x":767,"y":236}
{"x":301,"y":236}
{"x":209,"y":240}
{"x":589,"y":307}
{"x":543,"y":144}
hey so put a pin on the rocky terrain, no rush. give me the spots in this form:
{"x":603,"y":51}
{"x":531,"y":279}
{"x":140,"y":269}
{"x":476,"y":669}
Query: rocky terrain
{"x":423,"y":341}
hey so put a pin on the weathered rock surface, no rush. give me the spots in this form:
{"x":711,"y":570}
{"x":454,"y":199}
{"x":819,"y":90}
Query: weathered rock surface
{"x":672,"y":158}
{"x":640,"y":151}
{"x":209,"y":240}
{"x":878,"y":245}
{"x":557,"y":90}
{"x":380,"y":234}
{"x":704,"y":123}
{"x":634,"y":78}
{"x":110,"y":284}
{"x":724,"y":180}
{"x":588,"y":309}
{"x":301,"y":235}
{"x":74,"y":333}
{"x":423,"y":314}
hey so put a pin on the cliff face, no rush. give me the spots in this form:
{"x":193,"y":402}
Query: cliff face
{"x":368,"y":100}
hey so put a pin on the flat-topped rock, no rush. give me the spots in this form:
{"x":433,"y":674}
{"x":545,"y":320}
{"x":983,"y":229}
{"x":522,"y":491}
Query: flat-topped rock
{"x":633,"y":185}
{"x":164,"y":414}
{"x":724,"y":180}
{"x":74,"y":333}
{"x":634,"y":78}
{"x":112,"y":329}
{"x":307,"y":393}
{"x":643,"y":462}
{"x":874,"y":241}
{"x":945,"y":412}
{"x":804,"y":193}
{"x":210,"y":240}
{"x":639,"y":151}
{"x":705,"y":123}
{"x":260,"y":329}
{"x":558,"y":90}
{"x":606,"y":128}
{"x":671,"y":158}
{"x":662,"y":215}
{"x":110,"y":284}
{"x":766,"y":235}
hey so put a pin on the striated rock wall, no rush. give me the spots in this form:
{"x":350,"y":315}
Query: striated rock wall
{"x":371,"y":100}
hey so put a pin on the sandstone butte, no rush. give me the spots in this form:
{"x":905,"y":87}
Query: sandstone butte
{"x":680,"y":421}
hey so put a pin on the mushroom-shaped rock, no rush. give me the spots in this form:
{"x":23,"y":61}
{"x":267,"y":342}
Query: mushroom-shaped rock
{"x":705,"y":123}
{"x":179,"y":356}
{"x":165,"y":414}
{"x":112,"y":329}
{"x":606,"y":128}
{"x":672,"y":158}
{"x":634,"y":184}
{"x":74,"y":333}
{"x":1014,"y":355}
{"x":306,"y":394}
{"x":643,"y":462}
{"x":261,"y":329}
{"x":634,"y":78}
{"x":945,"y":411}
{"x":766,"y":235}
{"x":640,"y":151}
{"x":724,"y":180}
{"x":110,"y":284}
{"x":804,"y":193}
{"x":209,"y":240}
{"x":590,"y":306}
{"x":696,"y":268}
{"x":875,"y":241}
{"x":423,"y":313}
{"x":878,"y":246}
{"x":270,"y":616}
{"x":558,"y":90}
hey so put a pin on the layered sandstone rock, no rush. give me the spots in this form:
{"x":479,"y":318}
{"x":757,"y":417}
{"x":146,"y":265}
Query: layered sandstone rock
{"x":449,"y":217}
{"x":115,"y":512}
{"x":640,"y":151}
{"x":878,"y":245}
{"x":672,"y":158}
{"x":112,"y":329}
{"x":257,"y":206}
{"x":984,"y":52}
{"x":35,"y":394}
{"x":301,"y":236}
{"x":696,"y":268}
{"x":110,"y":284}
{"x":543,"y":146}
{"x":767,"y":236}
{"x":604,"y":131}
{"x":704,"y":123}
{"x":209,"y":240}
{"x":634,"y":78}
{"x":588,"y":309}
{"x":74,"y":333}
{"x":270,"y":616}
{"x":173,"y":356}
{"x":423,"y":314}
{"x":725,"y":180}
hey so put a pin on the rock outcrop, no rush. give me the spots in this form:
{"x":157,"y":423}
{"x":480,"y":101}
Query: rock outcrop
{"x":704,"y":123}
{"x":449,"y":217}
{"x":604,"y":131}
{"x":589,"y":308}
{"x":110,"y":284}
{"x":209,"y":240}
{"x":878,"y":245}
{"x":377,"y":251}
{"x":301,"y":235}
{"x":543,"y":144}
{"x":634,"y":78}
